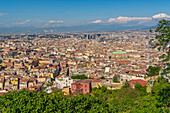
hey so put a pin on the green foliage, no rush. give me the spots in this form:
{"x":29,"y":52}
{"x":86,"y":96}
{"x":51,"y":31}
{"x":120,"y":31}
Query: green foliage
{"x":102,"y":77}
{"x":148,"y":104}
{"x":153,"y":71}
{"x":127,"y":92}
{"x":0,"y":61}
{"x":101,"y":100}
{"x":79,"y":77}
{"x":90,"y":57}
{"x":161,"y":41}
{"x":141,"y":89}
{"x":161,"y":90}
{"x":115,"y":79}
{"x":138,"y":86}
{"x":50,"y":84}
{"x":126,"y":85}
{"x":101,"y":92}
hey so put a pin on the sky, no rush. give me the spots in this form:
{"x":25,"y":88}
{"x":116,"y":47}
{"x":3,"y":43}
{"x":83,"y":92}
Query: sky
{"x":49,"y":13}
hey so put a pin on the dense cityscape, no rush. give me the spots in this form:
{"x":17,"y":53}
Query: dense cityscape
{"x":84,"y":56}
{"x":35,"y":60}
{"x":78,"y":63}
{"x":70,"y":64}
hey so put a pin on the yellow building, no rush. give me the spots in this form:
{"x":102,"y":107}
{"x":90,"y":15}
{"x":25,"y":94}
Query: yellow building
{"x":66,"y":90}
{"x":119,"y":54}
{"x":14,"y":81}
{"x":44,"y":61}
{"x":68,"y":55}
{"x":1,"y":85}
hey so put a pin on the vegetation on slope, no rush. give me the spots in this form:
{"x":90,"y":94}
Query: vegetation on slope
{"x":100,"y":100}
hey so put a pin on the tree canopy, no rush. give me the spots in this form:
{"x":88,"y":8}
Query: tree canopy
{"x":115,"y":79}
{"x":79,"y":77}
{"x":100,"y":100}
{"x":153,"y":71}
{"x":161,"y":41}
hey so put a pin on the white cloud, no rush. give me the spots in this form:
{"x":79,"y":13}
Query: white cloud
{"x":20,"y":23}
{"x":52,"y":21}
{"x":2,"y":14}
{"x":27,"y":21}
{"x":140,"y":20}
{"x":122,"y":19}
{"x":97,"y":21}
{"x":161,"y":15}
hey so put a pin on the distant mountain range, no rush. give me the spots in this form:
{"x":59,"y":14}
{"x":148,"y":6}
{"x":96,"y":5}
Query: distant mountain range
{"x":80,"y":28}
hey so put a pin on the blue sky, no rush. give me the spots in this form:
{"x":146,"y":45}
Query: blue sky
{"x":76,"y":12}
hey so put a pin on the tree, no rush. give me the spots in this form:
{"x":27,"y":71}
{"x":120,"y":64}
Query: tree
{"x":101,"y":100}
{"x":161,"y":42}
{"x":115,"y":79}
{"x":126,"y":85}
{"x":50,"y":84}
{"x":138,"y":86}
{"x":0,"y":61}
{"x":79,"y":77}
{"x":161,"y":90}
{"x":102,"y":77}
{"x":153,"y":71}
{"x":141,"y":89}
{"x":128,"y":92}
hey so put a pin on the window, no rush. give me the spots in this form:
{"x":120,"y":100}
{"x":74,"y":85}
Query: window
{"x":85,"y":85}
{"x":85,"y":89}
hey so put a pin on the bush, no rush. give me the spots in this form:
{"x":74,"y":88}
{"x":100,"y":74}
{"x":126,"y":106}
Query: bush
{"x":79,"y":77}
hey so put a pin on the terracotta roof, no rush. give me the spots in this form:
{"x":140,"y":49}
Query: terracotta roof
{"x":96,"y":80}
{"x":142,"y":82}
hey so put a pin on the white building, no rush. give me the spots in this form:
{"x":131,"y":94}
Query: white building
{"x":63,"y":82}
{"x":107,"y":69}
{"x":126,"y":77}
{"x":48,"y":90}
